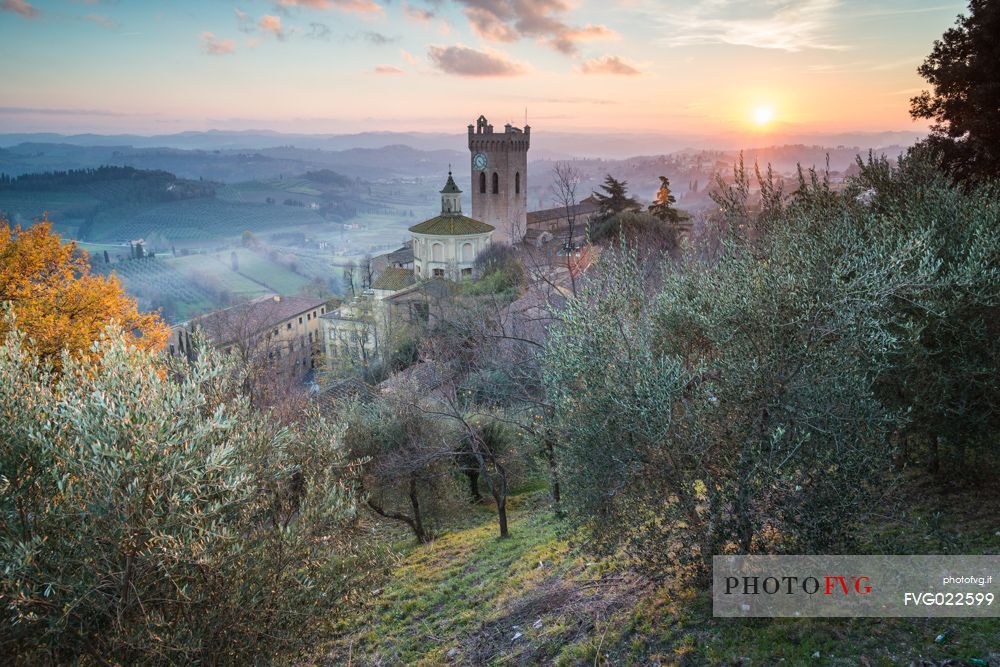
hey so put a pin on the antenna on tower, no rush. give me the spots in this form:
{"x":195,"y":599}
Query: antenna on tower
{"x":526,"y":116}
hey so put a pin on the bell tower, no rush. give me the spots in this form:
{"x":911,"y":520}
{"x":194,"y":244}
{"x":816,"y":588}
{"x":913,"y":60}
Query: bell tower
{"x":500,"y":177}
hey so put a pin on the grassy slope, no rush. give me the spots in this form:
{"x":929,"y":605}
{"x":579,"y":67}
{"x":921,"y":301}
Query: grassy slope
{"x":464,"y":598}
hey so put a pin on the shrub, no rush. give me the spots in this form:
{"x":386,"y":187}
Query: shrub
{"x":499,"y":270}
{"x":748,"y":405}
{"x":156,"y":518}
{"x":639,"y":229}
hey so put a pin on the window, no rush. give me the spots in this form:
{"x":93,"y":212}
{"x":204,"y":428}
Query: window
{"x":300,"y":320}
{"x":289,"y":327}
{"x":171,"y":348}
{"x":439,"y":273}
{"x":466,"y":273}
{"x":467,"y":252}
{"x":422,"y":311}
{"x":482,"y":182}
{"x":517,"y":183}
{"x":322,"y":310}
{"x":436,"y":252}
{"x":496,"y":183}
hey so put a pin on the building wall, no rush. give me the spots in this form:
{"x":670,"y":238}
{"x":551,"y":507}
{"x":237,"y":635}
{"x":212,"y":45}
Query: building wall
{"x":350,"y":335}
{"x":507,"y":157}
{"x":293,"y":345}
{"x":455,"y":257}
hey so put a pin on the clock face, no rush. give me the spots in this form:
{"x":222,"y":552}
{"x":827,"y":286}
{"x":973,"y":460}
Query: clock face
{"x":479,"y":161}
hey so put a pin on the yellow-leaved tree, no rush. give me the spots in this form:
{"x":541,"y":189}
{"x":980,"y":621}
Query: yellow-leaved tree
{"x":57,"y":302}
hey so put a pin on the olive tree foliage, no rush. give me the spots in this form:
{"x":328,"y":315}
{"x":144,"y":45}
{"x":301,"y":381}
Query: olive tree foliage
{"x":152,"y":516}
{"x":944,"y":375}
{"x":407,"y":461}
{"x":743,"y":407}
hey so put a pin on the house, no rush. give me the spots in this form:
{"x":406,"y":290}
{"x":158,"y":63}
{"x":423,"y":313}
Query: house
{"x":553,"y":224}
{"x":282,"y":332}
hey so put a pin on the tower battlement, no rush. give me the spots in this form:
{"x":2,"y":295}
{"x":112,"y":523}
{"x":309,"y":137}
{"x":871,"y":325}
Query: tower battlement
{"x":483,"y":136}
{"x":499,"y":163}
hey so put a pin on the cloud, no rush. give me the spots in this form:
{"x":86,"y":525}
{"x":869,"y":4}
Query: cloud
{"x":789,"y":25}
{"x":19,"y":7}
{"x":103,"y":21}
{"x":358,"y":6}
{"x":464,"y":61}
{"x":387,"y":69}
{"x":272,"y":24}
{"x":418,"y":14}
{"x":408,"y":57}
{"x":244,"y":23}
{"x":49,"y":111}
{"x":609,"y":65}
{"x":215,"y":46}
{"x":318,"y":31}
{"x":378,"y":39}
{"x":511,"y":20}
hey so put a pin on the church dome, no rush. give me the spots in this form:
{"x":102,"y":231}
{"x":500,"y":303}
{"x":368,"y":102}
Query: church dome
{"x":452,"y":225}
{"x":451,"y":222}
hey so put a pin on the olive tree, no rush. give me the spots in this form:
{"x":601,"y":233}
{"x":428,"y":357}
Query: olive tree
{"x":741,"y":407}
{"x":151,"y":515}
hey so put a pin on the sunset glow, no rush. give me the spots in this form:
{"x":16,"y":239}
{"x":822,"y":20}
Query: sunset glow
{"x":349,"y":66}
{"x":763,"y":115}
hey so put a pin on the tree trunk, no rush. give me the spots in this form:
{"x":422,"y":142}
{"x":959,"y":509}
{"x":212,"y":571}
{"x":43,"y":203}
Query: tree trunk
{"x":502,"y":514}
{"x":473,"y":476}
{"x":500,"y":496}
{"x":418,"y":523}
{"x":550,"y":456}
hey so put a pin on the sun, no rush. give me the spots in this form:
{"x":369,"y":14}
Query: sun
{"x":763,"y":115}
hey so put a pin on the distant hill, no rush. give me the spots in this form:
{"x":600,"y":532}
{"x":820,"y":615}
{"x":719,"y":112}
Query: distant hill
{"x":233,"y":165}
{"x":117,"y":204}
{"x":547,"y":143}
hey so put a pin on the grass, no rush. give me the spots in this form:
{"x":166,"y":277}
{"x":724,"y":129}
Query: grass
{"x":465,"y":596}
{"x":538,"y":598}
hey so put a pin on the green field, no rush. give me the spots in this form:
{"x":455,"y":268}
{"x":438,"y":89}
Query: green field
{"x":198,"y":220}
{"x":157,"y":285}
{"x":189,"y":285}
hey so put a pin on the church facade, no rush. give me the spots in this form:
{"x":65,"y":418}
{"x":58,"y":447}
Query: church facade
{"x":446,"y":246}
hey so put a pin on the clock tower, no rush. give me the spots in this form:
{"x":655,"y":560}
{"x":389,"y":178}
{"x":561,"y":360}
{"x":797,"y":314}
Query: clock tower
{"x":500,"y":178}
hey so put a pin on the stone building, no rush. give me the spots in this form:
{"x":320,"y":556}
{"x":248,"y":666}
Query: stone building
{"x":446,"y":246}
{"x":282,"y":332}
{"x":500,"y":177}
{"x":553,"y":224}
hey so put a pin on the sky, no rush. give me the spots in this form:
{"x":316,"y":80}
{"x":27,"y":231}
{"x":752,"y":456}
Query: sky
{"x":344,"y":66}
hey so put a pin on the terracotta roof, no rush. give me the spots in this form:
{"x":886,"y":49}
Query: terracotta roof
{"x":393,"y":278}
{"x":452,"y":225}
{"x":588,"y":205}
{"x":402,"y":256}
